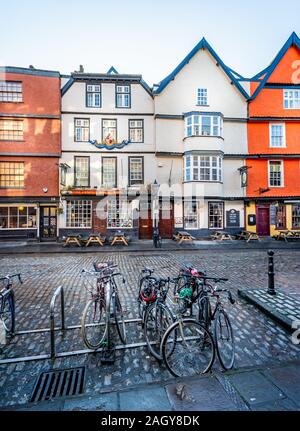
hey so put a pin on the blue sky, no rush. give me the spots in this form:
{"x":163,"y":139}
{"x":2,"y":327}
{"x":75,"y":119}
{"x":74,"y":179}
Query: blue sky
{"x":147,"y":37}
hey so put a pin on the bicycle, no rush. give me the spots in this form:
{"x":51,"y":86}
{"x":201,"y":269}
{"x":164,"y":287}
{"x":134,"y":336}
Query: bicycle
{"x":187,"y":347}
{"x":216,"y":320}
{"x":158,"y":317}
{"x":146,"y":295}
{"x":7,"y":304}
{"x":95,"y":321}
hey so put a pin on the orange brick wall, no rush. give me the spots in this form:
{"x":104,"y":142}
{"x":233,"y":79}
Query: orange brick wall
{"x":40,"y":172}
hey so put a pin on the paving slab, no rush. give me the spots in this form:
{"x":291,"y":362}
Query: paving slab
{"x":287,"y":379}
{"x":204,"y":394}
{"x":276,"y":406}
{"x":255,"y":388}
{"x":104,"y":402}
{"x":146,"y":399}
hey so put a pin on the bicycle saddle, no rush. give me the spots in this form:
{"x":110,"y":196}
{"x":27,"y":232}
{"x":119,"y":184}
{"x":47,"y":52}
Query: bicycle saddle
{"x":150,"y":270}
{"x":99,"y":266}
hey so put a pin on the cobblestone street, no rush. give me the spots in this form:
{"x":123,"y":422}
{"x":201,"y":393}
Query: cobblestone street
{"x":259,"y":340}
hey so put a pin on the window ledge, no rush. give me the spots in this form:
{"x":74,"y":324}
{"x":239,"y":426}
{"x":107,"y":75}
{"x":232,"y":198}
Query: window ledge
{"x":204,"y":136}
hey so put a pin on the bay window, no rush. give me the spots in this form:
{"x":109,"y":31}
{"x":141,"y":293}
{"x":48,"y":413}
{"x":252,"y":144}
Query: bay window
{"x":79,"y":214}
{"x":203,"y":168}
{"x":203,"y":125}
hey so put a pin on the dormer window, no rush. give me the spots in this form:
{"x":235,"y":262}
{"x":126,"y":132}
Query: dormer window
{"x":123,"y":96}
{"x":202,"y":99}
{"x":203,"y":125}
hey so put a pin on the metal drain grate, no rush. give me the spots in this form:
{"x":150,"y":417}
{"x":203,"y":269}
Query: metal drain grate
{"x":58,"y":383}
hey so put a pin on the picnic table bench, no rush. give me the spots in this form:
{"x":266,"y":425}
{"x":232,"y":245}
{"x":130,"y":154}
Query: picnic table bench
{"x":222,"y":235}
{"x":73,"y":238}
{"x":248,"y":236}
{"x":95,"y":238}
{"x":288,"y":234}
{"x":182,"y":235}
{"x":119,"y":237}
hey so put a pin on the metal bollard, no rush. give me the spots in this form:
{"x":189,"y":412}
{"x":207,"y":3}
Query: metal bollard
{"x":271,"y":274}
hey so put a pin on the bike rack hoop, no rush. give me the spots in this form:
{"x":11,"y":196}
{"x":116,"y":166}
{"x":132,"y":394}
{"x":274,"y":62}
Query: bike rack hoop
{"x":58,"y":291}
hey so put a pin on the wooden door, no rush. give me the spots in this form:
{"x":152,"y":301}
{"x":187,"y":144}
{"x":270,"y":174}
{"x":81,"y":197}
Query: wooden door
{"x":145,"y":221}
{"x":166,"y":219}
{"x":263,"y":220}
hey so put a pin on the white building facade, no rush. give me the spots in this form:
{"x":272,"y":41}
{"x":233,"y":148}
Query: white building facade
{"x":108,"y":153}
{"x":201,"y":143}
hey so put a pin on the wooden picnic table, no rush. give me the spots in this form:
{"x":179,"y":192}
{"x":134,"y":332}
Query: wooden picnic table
{"x":119,"y":237}
{"x":95,"y":238}
{"x":182,"y":235}
{"x":248,"y":236}
{"x":73,"y":238}
{"x":222,"y":235}
{"x":288,"y":233}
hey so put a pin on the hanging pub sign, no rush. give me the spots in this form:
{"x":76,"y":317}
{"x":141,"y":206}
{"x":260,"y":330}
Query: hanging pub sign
{"x":244,"y":175}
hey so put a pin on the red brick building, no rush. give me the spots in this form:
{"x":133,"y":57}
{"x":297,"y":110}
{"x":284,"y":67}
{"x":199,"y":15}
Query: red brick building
{"x":30,"y":148}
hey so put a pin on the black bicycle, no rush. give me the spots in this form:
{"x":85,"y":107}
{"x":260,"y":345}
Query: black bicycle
{"x":146,"y":290}
{"x":215,"y":319}
{"x":7,"y":304}
{"x":158,"y":317}
{"x":104,"y":302}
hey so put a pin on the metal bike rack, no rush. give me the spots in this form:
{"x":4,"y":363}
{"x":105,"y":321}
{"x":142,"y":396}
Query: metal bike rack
{"x":58,"y":291}
{"x":52,"y":329}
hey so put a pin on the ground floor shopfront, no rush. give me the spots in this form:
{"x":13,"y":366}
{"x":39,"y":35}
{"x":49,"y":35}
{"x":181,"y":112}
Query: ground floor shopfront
{"x":137,"y":215}
{"x":29,"y":219}
{"x":267,"y":217}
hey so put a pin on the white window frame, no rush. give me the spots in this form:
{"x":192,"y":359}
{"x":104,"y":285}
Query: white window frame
{"x":194,"y":125}
{"x":136,"y":177}
{"x":81,"y":171}
{"x":93,"y":90}
{"x":199,"y":165}
{"x":190,"y":214}
{"x":202,"y":95}
{"x":123,"y":93}
{"x":281,"y":171}
{"x":11,"y":91}
{"x":289,"y":97}
{"x":283,"y":135}
{"x":136,"y":128}
{"x":83,"y":214}
{"x":81,"y":125}
{"x":34,"y":217}
{"x":108,"y":163}
{"x":220,"y":204}
{"x":115,"y":211}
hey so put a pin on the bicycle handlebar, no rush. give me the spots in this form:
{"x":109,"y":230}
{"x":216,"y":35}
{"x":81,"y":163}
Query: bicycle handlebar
{"x":9,"y":277}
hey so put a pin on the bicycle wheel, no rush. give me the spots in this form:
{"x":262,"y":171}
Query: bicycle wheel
{"x":158,"y":318}
{"x":194,"y":350}
{"x":119,"y":318}
{"x":224,"y":339}
{"x":7,"y":313}
{"x":93,"y":324}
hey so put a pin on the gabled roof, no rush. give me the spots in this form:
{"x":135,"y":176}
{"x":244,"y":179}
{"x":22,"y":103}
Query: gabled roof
{"x":112,"y":70}
{"x":293,"y":40}
{"x":203,"y":44}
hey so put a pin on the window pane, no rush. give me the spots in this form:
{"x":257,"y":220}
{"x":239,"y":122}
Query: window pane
{"x":109,"y":172}
{"x":79,"y":214}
